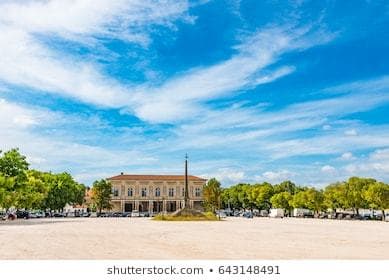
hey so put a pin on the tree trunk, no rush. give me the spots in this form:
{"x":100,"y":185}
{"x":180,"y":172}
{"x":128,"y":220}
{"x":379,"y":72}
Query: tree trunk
{"x":383,"y":215}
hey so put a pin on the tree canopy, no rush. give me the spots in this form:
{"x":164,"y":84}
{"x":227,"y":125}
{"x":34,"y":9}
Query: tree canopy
{"x":24,"y":188}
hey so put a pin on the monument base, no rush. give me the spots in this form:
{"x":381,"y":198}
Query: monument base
{"x":187,"y":214}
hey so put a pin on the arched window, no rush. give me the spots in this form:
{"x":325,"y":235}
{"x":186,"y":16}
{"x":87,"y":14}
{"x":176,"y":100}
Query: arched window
{"x":130,"y":192}
{"x":197,"y":192}
{"x":157,"y":192}
{"x":171,"y":192}
{"x":115,"y":192}
{"x":144,"y":192}
{"x":183,"y":192}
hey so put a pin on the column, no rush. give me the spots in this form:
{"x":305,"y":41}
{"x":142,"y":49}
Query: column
{"x":150,"y":206}
{"x":137,"y":205}
{"x":122,"y":205}
{"x":177,"y":204}
{"x":164,"y":206}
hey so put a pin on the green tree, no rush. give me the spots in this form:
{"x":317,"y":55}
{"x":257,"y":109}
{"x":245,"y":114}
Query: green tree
{"x":14,"y":165}
{"x":315,"y":200}
{"x":377,"y":195}
{"x":63,"y":189}
{"x":101,"y":195}
{"x":7,"y":192}
{"x":353,"y":193}
{"x":33,"y":193}
{"x":286,"y":186}
{"x":212,"y":195}
{"x":260,"y":195}
{"x":282,"y":200}
{"x":334,"y":196}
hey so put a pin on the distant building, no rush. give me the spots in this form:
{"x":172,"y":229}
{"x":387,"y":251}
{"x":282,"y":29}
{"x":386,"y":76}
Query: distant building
{"x":155,"y":193}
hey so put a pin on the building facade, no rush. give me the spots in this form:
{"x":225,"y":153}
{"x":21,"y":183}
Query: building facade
{"x":155,"y":193}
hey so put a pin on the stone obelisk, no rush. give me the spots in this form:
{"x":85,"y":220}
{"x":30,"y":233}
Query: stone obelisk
{"x":186,"y":195}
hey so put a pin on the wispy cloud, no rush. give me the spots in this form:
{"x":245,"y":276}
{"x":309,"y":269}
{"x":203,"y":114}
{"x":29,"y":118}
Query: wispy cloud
{"x":26,"y":61}
{"x":183,"y":96}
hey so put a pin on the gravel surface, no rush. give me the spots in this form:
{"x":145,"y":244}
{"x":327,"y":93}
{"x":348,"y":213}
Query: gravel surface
{"x":233,"y":238}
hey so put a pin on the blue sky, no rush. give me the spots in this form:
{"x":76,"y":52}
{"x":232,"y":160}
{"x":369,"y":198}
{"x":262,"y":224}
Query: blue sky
{"x":252,"y":90}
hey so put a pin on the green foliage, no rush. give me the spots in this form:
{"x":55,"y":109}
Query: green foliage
{"x":208,"y":216}
{"x":7,"y":192}
{"x":377,"y":195}
{"x":212,"y":195}
{"x":311,"y":199}
{"x":14,"y":165}
{"x":31,"y":189}
{"x":334,"y":196}
{"x":353,"y":194}
{"x":101,"y":195}
{"x":260,"y":195}
{"x":62,"y":190}
{"x":282,"y":200}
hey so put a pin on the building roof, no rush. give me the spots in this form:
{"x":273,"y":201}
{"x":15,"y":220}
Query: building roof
{"x":155,"y":177}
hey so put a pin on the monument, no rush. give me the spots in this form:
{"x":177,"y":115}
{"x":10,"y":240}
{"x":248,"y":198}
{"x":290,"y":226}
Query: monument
{"x":187,"y":213}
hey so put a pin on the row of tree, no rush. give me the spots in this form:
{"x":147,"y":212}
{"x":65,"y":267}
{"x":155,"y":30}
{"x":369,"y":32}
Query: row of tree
{"x":24,"y":188}
{"x":355,"y":193}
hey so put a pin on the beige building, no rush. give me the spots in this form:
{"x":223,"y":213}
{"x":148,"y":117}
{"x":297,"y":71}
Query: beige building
{"x":155,"y":193}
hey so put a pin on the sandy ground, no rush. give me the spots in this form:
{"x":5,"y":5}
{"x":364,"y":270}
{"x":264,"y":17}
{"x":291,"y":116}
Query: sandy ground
{"x":233,"y":238}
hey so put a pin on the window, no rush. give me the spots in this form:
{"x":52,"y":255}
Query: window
{"x":171,"y":192}
{"x":115,"y":192}
{"x":144,"y":192}
{"x":197,"y":192}
{"x":157,"y":192}
{"x":130,"y":192}
{"x":183,"y":192}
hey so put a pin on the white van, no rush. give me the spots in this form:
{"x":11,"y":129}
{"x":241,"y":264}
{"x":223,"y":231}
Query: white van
{"x":135,"y":213}
{"x":277,"y":213}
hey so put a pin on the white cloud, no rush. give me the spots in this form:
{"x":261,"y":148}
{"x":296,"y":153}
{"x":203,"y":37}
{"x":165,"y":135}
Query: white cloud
{"x":83,"y":20}
{"x":226,"y":176}
{"x":12,"y":115}
{"x":375,"y":165}
{"x":328,"y":169}
{"x":275,"y":177}
{"x":351,"y":132}
{"x":326,"y":127}
{"x":47,"y":152}
{"x":347,"y":156}
{"x":245,"y":69}
{"x":26,"y":61}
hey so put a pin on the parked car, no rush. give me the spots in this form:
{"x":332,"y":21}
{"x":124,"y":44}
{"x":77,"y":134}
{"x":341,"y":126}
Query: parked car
{"x":221,"y":214}
{"x":144,"y":214}
{"x":135,"y":213}
{"x":237,"y":214}
{"x":248,"y":215}
{"x":22,"y":214}
{"x":117,"y":214}
{"x":3,"y":216}
{"x":229,"y":212}
{"x":126,"y":214}
{"x":102,"y":214}
{"x":85,"y":214}
{"x":59,"y":215}
{"x":387,"y":217}
{"x":39,"y":214}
